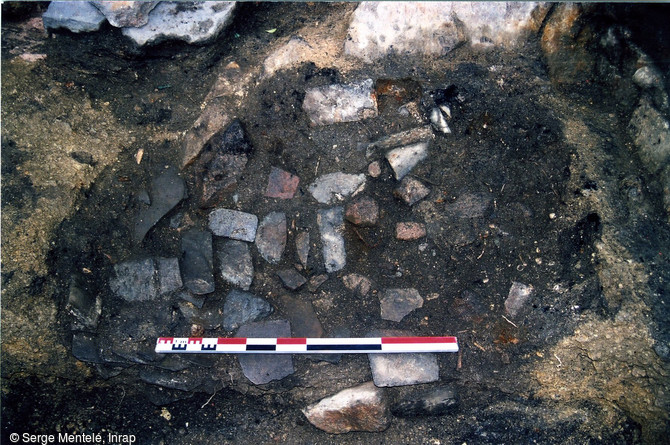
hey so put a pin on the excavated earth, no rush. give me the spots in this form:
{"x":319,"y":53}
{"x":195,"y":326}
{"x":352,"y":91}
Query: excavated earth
{"x":544,"y":183}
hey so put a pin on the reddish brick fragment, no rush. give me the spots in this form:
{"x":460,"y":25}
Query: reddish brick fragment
{"x":281,"y":184}
{"x":409,"y":231}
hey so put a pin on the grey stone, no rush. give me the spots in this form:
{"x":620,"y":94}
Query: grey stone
{"x":411,"y":190}
{"x":197,"y":300}
{"x":242,"y":307}
{"x":331,"y":226}
{"x":364,"y":211}
{"x":122,"y":14}
{"x":169,"y":275}
{"x":74,"y":16}
{"x":84,"y":305}
{"x":397,"y":303}
{"x":264,"y":368}
{"x":402,"y":369}
{"x":85,"y":347}
{"x":302,"y":247}
{"x":210,"y":121}
{"x":233,"y":224}
{"x":135,"y":280}
{"x":434,"y":402}
{"x":271,"y":237}
{"x":206,"y":317}
{"x":197,"y":261}
{"x":167,"y":190}
{"x":291,"y":278}
{"x":648,"y":77}
{"x":196,"y":22}
{"x":235,"y":263}
{"x":302,"y":317}
{"x":335,"y":186}
{"x":358,"y":284}
{"x":651,"y":133}
{"x":403,"y":159}
{"x":143,"y":197}
{"x":470,"y":205}
{"x":361,"y":408}
{"x":330,"y":104}
{"x":316,"y":281}
{"x":517,"y":297}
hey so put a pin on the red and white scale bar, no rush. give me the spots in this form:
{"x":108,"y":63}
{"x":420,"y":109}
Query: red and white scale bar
{"x":294,"y":345}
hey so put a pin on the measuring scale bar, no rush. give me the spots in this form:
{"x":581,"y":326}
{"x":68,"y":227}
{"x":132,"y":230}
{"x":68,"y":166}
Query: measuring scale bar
{"x":295,"y":345}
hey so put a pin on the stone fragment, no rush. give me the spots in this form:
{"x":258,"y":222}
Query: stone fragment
{"x":402,"y":369}
{"x":403,"y":159}
{"x":517,"y":297}
{"x":358,"y":284}
{"x":470,"y":205}
{"x":271,"y":237}
{"x":207,"y":317}
{"x":85,"y":347}
{"x":316,"y":281}
{"x":243,"y":307}
{"x":264,"y":368}
{"x":291,"y":278}
{"x":335,"y":186}
{"x":197,"y":23}
{"x":361,"y":408}
{"x":411,"y":190}
{"x":235,"y":263}
{"x":331,"y":226}
{"x":135,"y":280}
{"x":233,"y":224}
{"x":84,"y":305}
{"x":363,"y":211}
{"x":74,"y":16}
{"x":208,"y":123}
{"x":281,"y":184}
{"x":296,"y":51}
{"x":121,"y":14}
{"x":396,"y":303}
{"x":434,"y":402}
{"x":302,"y":247}
{"x":409,"y":231}
{"x":374,"y":169}
{"x":169,"y":275}
{"x":196,"y":300}
{"x":402,"y":139}
{"x":197,"y":261}
{"x":167,"y":190}
{"x":304,"y":321}
{"x":330,"y":104}
{"x":651,"y":133}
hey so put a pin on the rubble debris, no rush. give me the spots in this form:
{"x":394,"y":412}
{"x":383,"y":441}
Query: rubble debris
{"x":410,"y":231}
{"x":235,"y":263}
{"x":243,"y":307}
{"x":135,"y":280}
{"x":403,"y":159}
{"x":358,"y":284}
{"x":331,"y":104}
{"x":517,"y":297}
{"x":281,"y":184}
{"x":271,"y":237}
{"x":84,"y":305}
{"x":364,"y":211}
{"x":393,"y":93}
{"x":74,"y":16}
{"x":411,"y":190}
{"x":302,"y":247}
{"x":185,"y":380}
{"x":434,"y":402}
{"x":331,"y":225}
{"x":264,"y":368}
{"x":397,"y":303}
{"x":206,"y":317}
{"x":291,"y":278}
{"x":361,"y":408}
{"x":327,"y":188}
{"x":197,"y":261}
{"x":167,"y":190}
{"x":233,"y":224}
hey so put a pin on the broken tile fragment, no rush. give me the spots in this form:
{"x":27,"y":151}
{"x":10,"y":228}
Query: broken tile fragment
{"x":291,"y":278}
{"x":281,"y":184}
{"x":397,"y":303}
{"x":330,"y":104}
{"x":169,"y":275}
{"x":197,"y":261}
{"x":361,"y":408}
{"x":331,"y":226}
{"x":242,"y":307}
{"x":411,"y":190}
{"x":235,"y":263}
{"x":316,"y":281}
{"x":135,"y":280}
{"x":302,"y":247}
{"x":364,"y":211}
{"x":517,"y":297}
{"x":233,"y":224}
{"x":264,"y":368}
{"x":402,"y":369}
{"x":304,"y":321}
{"x":335,"y":186}
{"x":167,"y":190}
{"x":409,"y":231}
{"x":433,"y":402}
{"x":404,"y":159}
{"x":271,"y":237}
{"x":358,"y":284}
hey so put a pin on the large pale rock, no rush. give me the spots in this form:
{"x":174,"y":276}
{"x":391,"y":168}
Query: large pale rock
{"x":236,"y":264}
{"x":333,"y":186}
{"x":361,"y":408}
{"x":122,"y":13}
{"x":330,"y":104}
{"x":74,"y":16}
{"x":210,"y":121}
{"x":518,"y":294}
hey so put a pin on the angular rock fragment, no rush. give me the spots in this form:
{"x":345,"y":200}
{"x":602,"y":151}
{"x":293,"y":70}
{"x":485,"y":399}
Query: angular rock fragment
{"x":135,"y":280}
{"x":517,"y":297}
{"x":403,"y":159}
{"x":208,"y":123}
{"x":331,"y":226}
{"x":404,"y":138}
{"x":361,"y":408}
{"x":264,"y":368}
{"x":410,"y":231}
{"x":281,"y":184}
{"x":335,"y":186}
{"x":196,"y":300}
{"x":411,"y":190}
{"x":302,"y":247}
{"x":340,"y":103}
{"x":85,"y":347}
{"x":316,"y":281}
{"x":167,"y":190}
{"x":304,"y":321}
{"x":235,"y":263}
{"x":122,"y":14}
{"x":397,"y":303}
{"x":243,"y":307}
{"x":402,"y":369}
{"x":358,"y":284}
{"x":374,"y":169}
{"x":233,"y":224}
{"x":84,"y":305}
{"x":291,"y":278}
{"x":271,"y":237}
{"x":363,"y":211}
{"x":434,"y":402}
{"x":169,"y":275}
{"x":74,"y":16}
{"x":206,"y":317}
{"x":197,"y":261}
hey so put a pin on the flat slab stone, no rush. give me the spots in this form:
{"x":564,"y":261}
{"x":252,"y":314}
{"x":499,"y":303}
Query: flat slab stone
{"x":74,"y":16}
{"x":304,"y":321}
{"x":271,"y":237}
{"x":281,"y":184}
{"x":331,"y":225}
{"x":236,"y":264}
{"x":169,"y":275}
{"x":167,"y":190}
{"x":243,"y":307}
{"x":291,"y":278}
{"x":361,"y":408}
{"x":135,"y":280}
{"x":330,"y":104}
{"x":397,"y":303}
{"x":197,"y":261}
{"x":335,"y":186}
{"x":233,"y":224}
{"x":264,"y":368}
{"x":403,"y":159}
{"x":518,"y":294}
{"x":402,"y":369}
{"x":411,"y":190}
